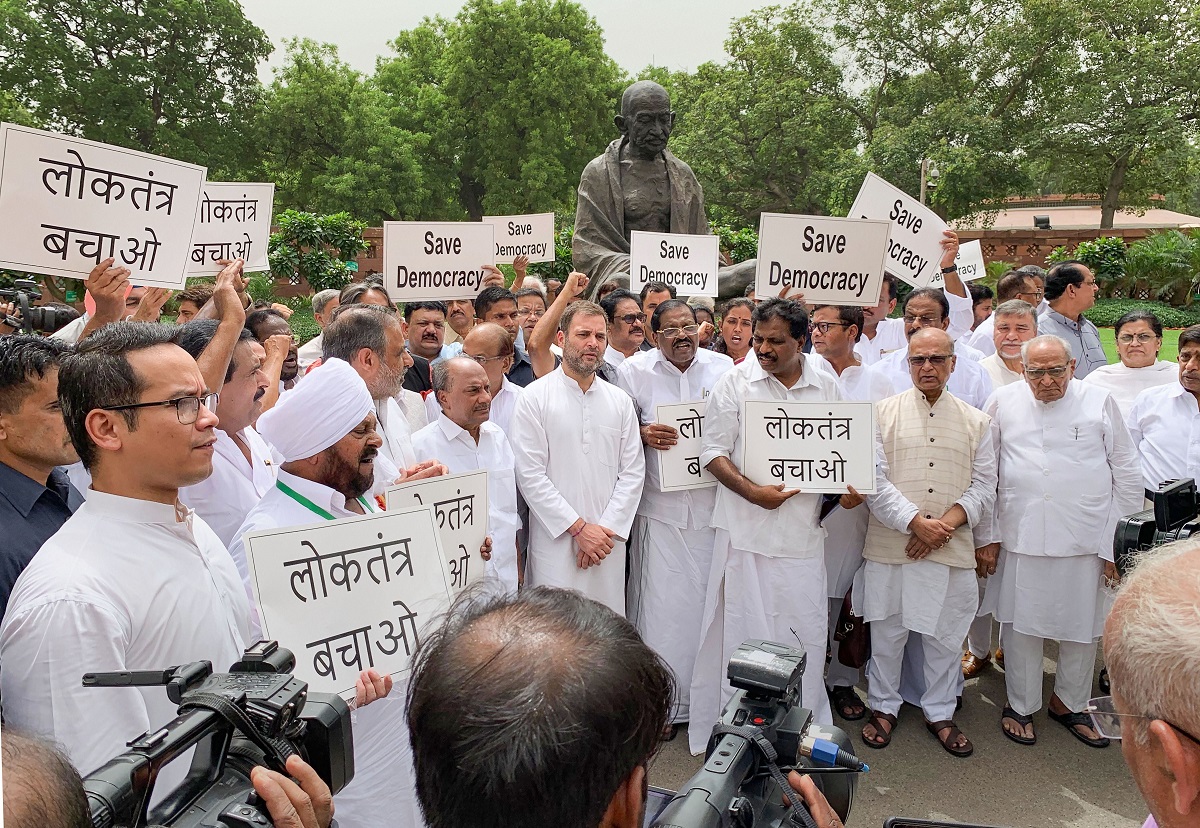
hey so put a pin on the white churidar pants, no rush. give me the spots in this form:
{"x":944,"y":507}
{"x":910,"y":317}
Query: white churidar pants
{"x":1023,"y":671}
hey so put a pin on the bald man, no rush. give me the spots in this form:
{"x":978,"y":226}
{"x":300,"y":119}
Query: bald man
{"x":492,"y":347}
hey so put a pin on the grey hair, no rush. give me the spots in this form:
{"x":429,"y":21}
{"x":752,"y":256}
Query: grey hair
{"x":1016,"y":307}
{"x":40,"y":785}
{"x":1043,"y":340}
{"x":1157,"y":624}
{"x":321,"y":300}
{"x":357,"y":327}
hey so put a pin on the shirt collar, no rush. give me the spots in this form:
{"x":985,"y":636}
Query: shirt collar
{"x":23,"y":492}
{"x":1058,"y":317}
{"x":135,"y":510}
{"x":318,"y":493}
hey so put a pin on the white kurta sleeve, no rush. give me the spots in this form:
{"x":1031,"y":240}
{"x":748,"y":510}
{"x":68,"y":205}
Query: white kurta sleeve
{"x":979,"y":498}
{"x":631,"y":475}
{"x":531,"y":448}
{"x":45,"y":651}
{"x":962,"y":314}
{"x":987,"y":530}
{"x":888,"y":505}
{"x":722,"y":420}
{"x":1128,"y":495}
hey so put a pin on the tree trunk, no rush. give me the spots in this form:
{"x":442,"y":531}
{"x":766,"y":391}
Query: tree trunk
{"x":470,"y":195}
{"x":1112,"y":194}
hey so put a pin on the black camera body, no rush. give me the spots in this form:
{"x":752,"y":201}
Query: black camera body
{"x":256,"y":714}
{"x":30,"y":318}
{"x":1175,"y":516}
{"x":735,"y":786}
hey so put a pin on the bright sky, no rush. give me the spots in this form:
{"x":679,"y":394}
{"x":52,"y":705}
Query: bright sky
{"x":678,"y":34}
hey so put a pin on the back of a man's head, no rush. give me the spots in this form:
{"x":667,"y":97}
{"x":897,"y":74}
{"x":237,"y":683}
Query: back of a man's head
{"x":532,"y":710}
{"x":357,"y":327}
{"x":41,"y":789}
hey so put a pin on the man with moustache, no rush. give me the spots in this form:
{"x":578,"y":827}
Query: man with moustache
{"x":465,"y":439}
{"x":327,"y":472}
{"x":460,"y":318}
{"x":626,"y":327}
{"x":671,"y":551}
{"x":1013,"y":324}
{"x":498,"y":306}
{"x":426,"y":331}
{"x":266,"y":323}
{"x":1164,"y":422}
{"x":490,"y":346}
{"x":768,"y":572}
{"x":579,"y":466}
{"x":1014,"y":284}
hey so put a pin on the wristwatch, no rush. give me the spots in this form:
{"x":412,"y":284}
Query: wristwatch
{"x":950,"y":269}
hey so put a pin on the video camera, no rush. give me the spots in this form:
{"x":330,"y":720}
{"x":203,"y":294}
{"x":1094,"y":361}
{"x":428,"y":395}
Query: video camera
{"x":764,"y":733}
{"x":256,"y":714}
{"x":28,"y":317}
{"x":1175,"y":516}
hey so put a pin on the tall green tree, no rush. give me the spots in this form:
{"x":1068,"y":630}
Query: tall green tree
{"x":511,"y":100}
{"x":174,"y":77}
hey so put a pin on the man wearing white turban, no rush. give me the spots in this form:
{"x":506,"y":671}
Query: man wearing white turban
{"x":324,"y":429}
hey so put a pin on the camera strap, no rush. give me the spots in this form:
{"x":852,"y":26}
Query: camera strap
{"x":798,"y":814}
{"x":276,"y":751}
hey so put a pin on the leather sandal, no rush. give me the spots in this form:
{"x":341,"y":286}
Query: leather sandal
{"x":1009,"y":713}
{"x":877,"y":718}
{"x":843,"y":700}
{"x":972,"y":664}
{"x":948,"y":743}
{"x":1073,"y":720}
{"x":1000,"y":657}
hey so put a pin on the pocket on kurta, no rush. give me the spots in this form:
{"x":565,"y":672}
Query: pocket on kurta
{"x":608,"y":446}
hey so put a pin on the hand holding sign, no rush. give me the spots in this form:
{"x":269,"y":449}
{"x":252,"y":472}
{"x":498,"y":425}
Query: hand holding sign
{"x":658,"y":436}
{"x":108,"y":286}
{"x":771,"y":497}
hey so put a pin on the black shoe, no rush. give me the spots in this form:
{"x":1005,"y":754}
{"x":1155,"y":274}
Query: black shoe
{"x":1105,"y":684}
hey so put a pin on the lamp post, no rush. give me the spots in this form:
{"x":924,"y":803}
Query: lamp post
{"x":929,"y":176}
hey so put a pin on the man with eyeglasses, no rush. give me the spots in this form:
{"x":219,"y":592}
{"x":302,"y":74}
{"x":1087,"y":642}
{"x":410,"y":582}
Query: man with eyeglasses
{"x":936,"y":483}
{"x":1071,"y":289}
{"x":1154,"y":709}
{"x":1165,"y":421}
{"x":654,"y":294}
{"x":1067,"y":472}
{"x":499,"y":306}
{"x":492,"y":347}
{"x":134,"y":580}
{"x":672,"y":547}
{"x":626,"y":327}
{"x":1015,"y":284}
{"x":929,"y":308}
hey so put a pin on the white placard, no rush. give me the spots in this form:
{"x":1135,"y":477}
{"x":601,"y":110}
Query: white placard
{"x":915,"y":243}
{"x":233,"y":222}
{"x":680,"y":464}
{"x":832,"y":261}
{"x":817,"y":447}
{"x":424,"y":260}
{"x":348,"y":594}
{"x":66,"y":204}
{"x":689,"y":263}
{"x":970,"y":264}
{"x":530,"y":235}
{"x":460,"y":508}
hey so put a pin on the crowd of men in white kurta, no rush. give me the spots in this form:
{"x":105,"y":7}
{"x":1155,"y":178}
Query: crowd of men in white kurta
{"x":1006,"y":452}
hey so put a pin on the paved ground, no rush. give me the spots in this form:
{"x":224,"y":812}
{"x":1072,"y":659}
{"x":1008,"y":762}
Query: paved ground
{"x":1058,"y":783}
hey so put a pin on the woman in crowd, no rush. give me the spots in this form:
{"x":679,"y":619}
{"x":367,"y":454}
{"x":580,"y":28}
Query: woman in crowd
{"x":736,"y":329}
{"x":1139,"y":339}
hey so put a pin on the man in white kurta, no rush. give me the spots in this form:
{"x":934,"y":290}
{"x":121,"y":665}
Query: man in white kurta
{"x":835,"y":331}
{"x":580,"y":466}
{"x":768,"y":572}
{"x":326,"y":474}
{"x":464,"y":438}
{"x":133,"y":580}
{"x":492,"y":347}
{"x":243,"y":465}
{"x":1067,"y":474}
{"x":935,"y":480}
{"x":1165,"y":421}
{"x":671,"y":552}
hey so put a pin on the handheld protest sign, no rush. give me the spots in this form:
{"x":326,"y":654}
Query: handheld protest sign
{"x":460,"y":508}
{"x":679,"y":466}
{"x":970,"y":264}
{"x":234,"y":222}
{"x":689,"y":263}
{"x":67,"y":204}
{"x":349,"y":594}
{"x":817,"y":447}
{"x":531,"y":235}
{"x":832,"y":261}
{"x":436,"y":260}
{"x":915,"y":242}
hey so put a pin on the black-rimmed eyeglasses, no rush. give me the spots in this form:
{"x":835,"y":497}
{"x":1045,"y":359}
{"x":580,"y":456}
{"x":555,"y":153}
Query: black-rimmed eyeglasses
{"x":187,"y":409}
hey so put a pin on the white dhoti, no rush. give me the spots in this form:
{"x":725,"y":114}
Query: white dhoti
{"x":553,"y":562}
{"x":979,"y":637}
{"x":668,"y":582}
{"x":932,"y":599}
{"x":383,"y":792}
{"x":752,"y":596}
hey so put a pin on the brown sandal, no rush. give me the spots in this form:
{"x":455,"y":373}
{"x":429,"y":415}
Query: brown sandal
{"x":951,"y":737}
{"x":878,"y":718}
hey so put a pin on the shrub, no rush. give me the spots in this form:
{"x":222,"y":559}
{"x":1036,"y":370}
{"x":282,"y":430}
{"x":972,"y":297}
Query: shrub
{"x":1106,"y":312}
{"x":318,"y":248}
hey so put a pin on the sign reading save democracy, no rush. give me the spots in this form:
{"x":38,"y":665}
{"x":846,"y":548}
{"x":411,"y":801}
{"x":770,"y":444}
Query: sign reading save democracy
{"x":688,"y":263}
{"x":436,"y":260}
{"x":531,"y":235}
{"x":915,"y":243}
{"x":832,"y":261}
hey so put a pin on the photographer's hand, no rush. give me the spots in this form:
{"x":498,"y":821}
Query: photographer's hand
{"x":307,"y":805}
{"x":822,"y":813}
